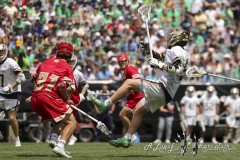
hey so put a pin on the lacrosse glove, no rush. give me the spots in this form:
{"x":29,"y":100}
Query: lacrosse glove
{"x":155,"y":63}
{"x":7,"y":89}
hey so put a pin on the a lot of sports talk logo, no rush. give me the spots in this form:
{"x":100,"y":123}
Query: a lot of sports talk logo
{"x":187,"y":146}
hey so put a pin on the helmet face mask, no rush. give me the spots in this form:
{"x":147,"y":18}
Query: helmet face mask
{"x":123,"y":60}
{"x":176,"y":37}
{"x":73,"y":61}
{"x":3,"y":52}
{"x":234,"y":92}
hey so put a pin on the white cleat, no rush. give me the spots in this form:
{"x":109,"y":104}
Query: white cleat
{"x":214,"y":141}
{"x":17,"y":143}
{"x":52,"y":143}
{"x":167,"y":141}
{"x":201,"y":140}
{"x":72,"y":140}
{"x":157,"y":141}
{"x":61,"y":152}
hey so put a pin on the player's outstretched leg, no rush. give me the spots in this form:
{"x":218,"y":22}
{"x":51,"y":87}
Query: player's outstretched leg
{"x":128,"y":86}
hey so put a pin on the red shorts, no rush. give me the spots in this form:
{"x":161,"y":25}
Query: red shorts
{"x":132,"y":103}
{"x":49,"y":108}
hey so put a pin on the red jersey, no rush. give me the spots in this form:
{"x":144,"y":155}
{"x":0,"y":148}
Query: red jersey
{"x":49,"y":74}
{"x":134,"y":97}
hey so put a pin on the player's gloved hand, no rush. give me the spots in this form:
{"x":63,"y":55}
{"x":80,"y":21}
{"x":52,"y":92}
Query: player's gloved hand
{"x":69,"y":101}
{"x":82,"y":98}
{"x":216,"y":118}
{"x":8,"y":89}
{"x":155,"y":63}
{"x":144,"y":47}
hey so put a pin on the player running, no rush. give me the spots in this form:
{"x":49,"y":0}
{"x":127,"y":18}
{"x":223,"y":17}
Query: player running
{"x":54,"y":81}
{"x":232,"y":105}
{"x":170,"y":67}
{"x":134,"y":99}
{"x":210,"y":108}
{"x":190,"y":108}
{"x":11,"y":76}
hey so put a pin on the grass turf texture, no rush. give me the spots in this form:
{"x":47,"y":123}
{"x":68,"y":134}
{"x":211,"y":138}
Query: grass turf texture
{"x":104,"y":151}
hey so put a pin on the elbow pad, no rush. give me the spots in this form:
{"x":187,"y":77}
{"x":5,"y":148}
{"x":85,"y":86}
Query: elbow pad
{"x":21,"y":78}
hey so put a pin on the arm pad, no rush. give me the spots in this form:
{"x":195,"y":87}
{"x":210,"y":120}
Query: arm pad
{"x":21,"y":78}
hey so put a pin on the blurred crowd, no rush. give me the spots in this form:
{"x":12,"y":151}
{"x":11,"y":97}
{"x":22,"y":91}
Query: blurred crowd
{"x":101,"y":29}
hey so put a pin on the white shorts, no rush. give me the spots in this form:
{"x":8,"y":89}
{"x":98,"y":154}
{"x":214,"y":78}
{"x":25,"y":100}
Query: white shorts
{"x":154,"y":95}
{"x":8,"y":104}
{"x":191,"y":120}
{"x":209,"y":120}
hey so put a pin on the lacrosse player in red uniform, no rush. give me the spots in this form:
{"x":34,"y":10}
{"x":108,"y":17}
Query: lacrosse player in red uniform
{"x":54,"y":81}
{"x":134,"y":99}
{"x":170,"y":67}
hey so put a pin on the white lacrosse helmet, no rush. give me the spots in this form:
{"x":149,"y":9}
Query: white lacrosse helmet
{"x":234,"y":92}
{"x":73,"y":61}
{"x":231,"y":121}
{"x":3,"y":52}
{"x":210,"y":90}
{"x":190,"y":90}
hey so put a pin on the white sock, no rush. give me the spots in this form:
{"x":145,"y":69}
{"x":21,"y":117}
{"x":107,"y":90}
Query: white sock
{"x":108,"y":102}
{"x":17,"y":138}
{"x":128,"y":136}
{"x":54,"y":137}
{"x":61,"y":143}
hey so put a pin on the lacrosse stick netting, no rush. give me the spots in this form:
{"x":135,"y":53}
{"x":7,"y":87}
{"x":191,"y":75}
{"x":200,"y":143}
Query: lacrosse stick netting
{"x":144,"y":11}
{"x":196,"y":72}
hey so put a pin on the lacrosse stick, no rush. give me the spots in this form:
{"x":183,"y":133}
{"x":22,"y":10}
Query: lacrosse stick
{"x":196,"y":72}
{"x":101,"y":126}
{"x":145,"y":14}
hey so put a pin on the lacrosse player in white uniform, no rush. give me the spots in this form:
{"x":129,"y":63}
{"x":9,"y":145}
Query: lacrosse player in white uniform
{"x":170,"y":67}
{"x":81,"y":82}
{"x":232,"y":105}
{"x":190,"y":108}
{"x":11,"y":76}
{"x":209,"y":107}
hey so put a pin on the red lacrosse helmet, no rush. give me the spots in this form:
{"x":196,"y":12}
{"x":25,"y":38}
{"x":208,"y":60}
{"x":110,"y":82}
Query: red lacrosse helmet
{"x":64,"y":48}
{"x":123,"y":60}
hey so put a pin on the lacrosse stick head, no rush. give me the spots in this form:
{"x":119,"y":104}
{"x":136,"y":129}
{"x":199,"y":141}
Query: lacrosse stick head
{"x":195,"y":72}
{"x":145,"y":12}
{"x":102,"y":127}
{"x":2,"y":115}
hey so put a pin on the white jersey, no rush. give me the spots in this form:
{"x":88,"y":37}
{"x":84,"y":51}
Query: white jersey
{"x":190,"y":105}
{"x":79,"y":78}
{"x":7,"y":73}
{"x":234,"y":104}
{"x":172,"y":81}
{"x":209,"y":104}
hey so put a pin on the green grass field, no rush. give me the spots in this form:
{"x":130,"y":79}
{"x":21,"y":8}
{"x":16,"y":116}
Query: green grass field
{"x":104,"y":151}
